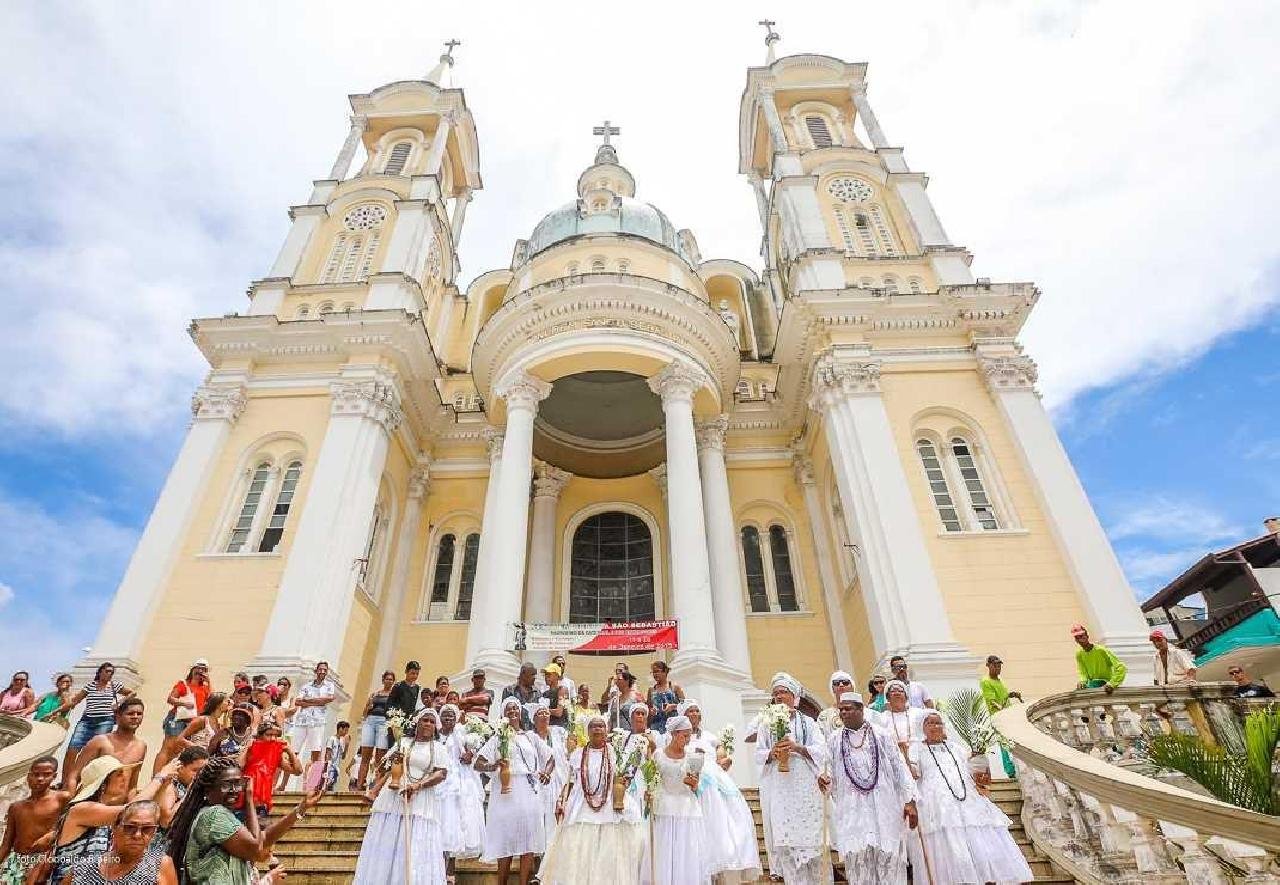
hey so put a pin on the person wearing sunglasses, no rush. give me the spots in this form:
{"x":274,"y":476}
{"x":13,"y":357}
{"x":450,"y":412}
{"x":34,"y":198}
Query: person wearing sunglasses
{"x":875,"y":693}
{"x":829,"y":718}
{"x":132,"y":855}
{"x":1245,"y":688}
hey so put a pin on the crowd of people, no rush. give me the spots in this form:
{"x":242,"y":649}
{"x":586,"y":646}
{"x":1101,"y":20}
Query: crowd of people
{"x":547,"y":776}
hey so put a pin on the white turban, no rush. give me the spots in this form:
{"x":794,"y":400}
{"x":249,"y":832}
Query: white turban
{"x":898,"y":684}
{"x":686,"y":705}
{"x":509,"y":703}
{"x":456,"y":712}
{"x":597,"y":717}
{"x":423,"y":714}
{"x":785,"y":681}
{"x":841,"y":675}
{"x":851,"y":697}
{"x":679,"y":723}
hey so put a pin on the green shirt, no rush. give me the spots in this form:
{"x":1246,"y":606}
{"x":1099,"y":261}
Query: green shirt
{"x":208,"y":863}
{"x":1098,"y":663}
{"x":995,"y":693}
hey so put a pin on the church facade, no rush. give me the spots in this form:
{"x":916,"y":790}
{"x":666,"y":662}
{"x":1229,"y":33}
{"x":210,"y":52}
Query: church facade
{"x":815,"y":467}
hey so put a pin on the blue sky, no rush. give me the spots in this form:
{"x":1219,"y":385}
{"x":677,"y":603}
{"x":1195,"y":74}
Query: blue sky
{"x":1125,"y":156}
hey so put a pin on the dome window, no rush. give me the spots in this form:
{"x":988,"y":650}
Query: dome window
{"x":819,"y":134}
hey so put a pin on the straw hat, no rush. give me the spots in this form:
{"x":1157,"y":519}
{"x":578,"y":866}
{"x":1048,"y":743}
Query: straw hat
{"x":95,"y":774}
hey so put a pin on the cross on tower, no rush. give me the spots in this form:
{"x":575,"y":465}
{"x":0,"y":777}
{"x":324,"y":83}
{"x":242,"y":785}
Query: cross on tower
{"x":606,"y":130}
{"x":770,"y":34}
{"x":448,"y":48}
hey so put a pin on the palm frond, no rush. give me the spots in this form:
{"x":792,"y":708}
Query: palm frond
{"x":966,"y":711}
{"x":1243,"y":780}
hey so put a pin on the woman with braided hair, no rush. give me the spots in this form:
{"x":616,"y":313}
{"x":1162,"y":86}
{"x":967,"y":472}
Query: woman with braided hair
{"x":209,"y":846}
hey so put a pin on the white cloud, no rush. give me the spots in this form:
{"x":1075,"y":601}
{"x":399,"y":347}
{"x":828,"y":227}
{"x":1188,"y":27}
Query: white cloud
{"x":1105,"y":151}
{"x":1170,"y":520}
{"x":6,"y":595}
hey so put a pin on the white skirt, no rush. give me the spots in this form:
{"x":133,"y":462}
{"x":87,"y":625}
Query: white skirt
{"x":514,"y":825}
{"x":580,"y":853}
{"x":382,"y":853}
{"x":680,"y":851}
{"x":730,"y":830}
{"x":963,"y":855}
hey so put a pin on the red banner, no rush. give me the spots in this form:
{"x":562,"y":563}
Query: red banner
{"x":636,"y":637}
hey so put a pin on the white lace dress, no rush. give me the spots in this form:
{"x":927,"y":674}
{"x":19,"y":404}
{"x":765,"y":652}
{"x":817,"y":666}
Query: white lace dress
{"x":870,"y":786}
{"x":596,"y":844}
{"x":680,"y":855}
{"x":513,"y":826}
{"x":730,"y":828}
{"x":966,"y":837}
{"x":559,"y":776}
{"x":404,"y":840}
{"x":795,"y":832}
{"x":465,"y":791}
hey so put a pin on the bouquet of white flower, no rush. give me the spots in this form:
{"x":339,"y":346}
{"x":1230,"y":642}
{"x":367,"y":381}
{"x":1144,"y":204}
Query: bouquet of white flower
{"x":477,"y":732}
{"x":395,"y":724}
{"x":727,"y":736}
{"x":777,"y":719}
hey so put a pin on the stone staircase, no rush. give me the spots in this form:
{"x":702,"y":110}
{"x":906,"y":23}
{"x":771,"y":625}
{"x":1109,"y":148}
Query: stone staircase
{"x":322,"y":849}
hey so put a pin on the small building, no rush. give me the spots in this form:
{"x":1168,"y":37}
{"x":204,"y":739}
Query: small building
{"x":1238,"y":624}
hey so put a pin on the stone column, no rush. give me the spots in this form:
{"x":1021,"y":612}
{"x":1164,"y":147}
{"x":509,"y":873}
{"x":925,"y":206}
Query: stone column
{"x":548,"y":483}
{"x":826,"y":565}
{"x":309,"y":619}
{"x":762,"y":199}
{"x":773,"y":120}
{"x":1107,"y":597}
{"x":342,"y":165}
{"x":506,"y":532}
{"x":459,"y":215}
{"x":393,"y":608}
{"x":214,"y":409}
{"x":869,"y":120}
{"x":493,"y":441}
{"x":905,"y":605}
{"x":435,"y":156}
{"x":722,"y":546}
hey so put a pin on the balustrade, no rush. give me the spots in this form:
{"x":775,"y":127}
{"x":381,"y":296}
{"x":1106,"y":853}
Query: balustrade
{"x":1093,"y":804}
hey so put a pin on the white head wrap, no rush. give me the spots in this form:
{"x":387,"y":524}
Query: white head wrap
{"x":847,"y":697}
{"x":898,"y":684}
{"x":509,"y":703}
{"x":456,"y":712}
{"x":597,"y":717}
{"x":683,"y":708}
{"x":425,"y":713}
{"x":840,"y":674}
{"x":535,"y":708}
{"x":679,"y":723}
{"x":785,"y":681}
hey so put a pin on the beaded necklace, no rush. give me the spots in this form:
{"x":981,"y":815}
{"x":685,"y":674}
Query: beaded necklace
{"x":596,"y":795}
{"x":845,"y":741}
{"x":964,"y":787}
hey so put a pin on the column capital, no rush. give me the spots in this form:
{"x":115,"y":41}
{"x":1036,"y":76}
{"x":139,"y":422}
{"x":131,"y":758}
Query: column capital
{"x":659,"y":476}
{"x":420,"y":482}
{"x":493,"y":442}
{"x":835,"y":377}
{"x":1016,"y":372}
{"x":548,"y":481}
{"x":710,"y":433}
{"x":218,"y":403}
{"x":677,"y":381}
{"x":522,"y":391}
{"x":802,"y":466}
{"x":373,"y":399}
{"x":359,"y":122}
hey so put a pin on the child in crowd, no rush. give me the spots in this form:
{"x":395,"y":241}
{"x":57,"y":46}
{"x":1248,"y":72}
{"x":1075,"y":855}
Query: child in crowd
{"x":334,"y":752}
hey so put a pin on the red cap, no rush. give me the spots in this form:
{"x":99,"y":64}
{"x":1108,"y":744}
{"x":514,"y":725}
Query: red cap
{"x":1078,"y":630}
{"x":1160,"y":633}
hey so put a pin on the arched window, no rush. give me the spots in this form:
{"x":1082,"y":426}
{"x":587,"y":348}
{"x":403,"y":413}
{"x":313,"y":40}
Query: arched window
{"x":753,"y":559}
{"x":243,"y":527}
{"x":354,"y":249}
{"x":984,"y":514}
{"x":783,"y":579}
{"x":375,"y":550}
{"x":611,"y":577}
{"x":326,"y":307}
{"x":888,"y":245}
{"x":571,"y":269}
{"x":303,"y":312}
{"x":866,"y":241}
{"x":280,"y":513}
{"x":597,"y":264}
{"x":891,"y":284}
{"x":819,"y":133}
{"x":623,"y":265}
{"x":938,"y":487}
{"x":443,"y":572}
{"x":398,"y":157}
{"x":467,"y":580}
{"x":915,"y":285}
{"x":846,"y":231}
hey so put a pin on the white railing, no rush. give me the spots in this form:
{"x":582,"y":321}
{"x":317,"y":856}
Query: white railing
{"x":1089,"y":806}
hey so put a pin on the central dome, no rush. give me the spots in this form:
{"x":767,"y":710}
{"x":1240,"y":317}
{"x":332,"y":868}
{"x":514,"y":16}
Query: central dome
{"x":625,"y":215}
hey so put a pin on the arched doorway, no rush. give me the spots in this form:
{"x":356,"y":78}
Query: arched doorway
{"x":611,"y":574}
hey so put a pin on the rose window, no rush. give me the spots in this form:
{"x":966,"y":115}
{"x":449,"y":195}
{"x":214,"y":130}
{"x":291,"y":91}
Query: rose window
{"x":850,"y":190}
{"x":364,"y":217}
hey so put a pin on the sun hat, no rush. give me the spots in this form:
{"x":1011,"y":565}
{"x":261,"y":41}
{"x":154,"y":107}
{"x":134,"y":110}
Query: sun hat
{"x":95,"y":774}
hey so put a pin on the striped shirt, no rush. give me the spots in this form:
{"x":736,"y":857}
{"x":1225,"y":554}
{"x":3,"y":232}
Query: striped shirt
{"x":100,"y":702}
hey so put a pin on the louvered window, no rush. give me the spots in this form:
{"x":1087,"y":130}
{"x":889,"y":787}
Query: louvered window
{"x":819,"y":134}
{"x":938,"y":488}
{"x":984,"y":513}
{"x":280,"y":514}
{"x":249,"y":508}
{"x":846,"y":232}
{"x":887,"y":244}
{"x":866,"y":239}
{"x":398,"y":157}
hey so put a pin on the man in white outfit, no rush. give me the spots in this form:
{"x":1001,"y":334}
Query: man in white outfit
{"x":790,"y":801}
{"x":874,"y":796}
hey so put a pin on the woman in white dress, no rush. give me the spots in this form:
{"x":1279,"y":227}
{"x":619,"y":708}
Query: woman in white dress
{"x":593,"y":842}
{"x":514,"y":826}
{"x":553,"y":736}
{"x":680,"y":855}
{"x":964,"y":837}
{"x":464,"y":788}
{"x":731,"y":830}
{"x":898,"y":720}
{"x":404,"y":840}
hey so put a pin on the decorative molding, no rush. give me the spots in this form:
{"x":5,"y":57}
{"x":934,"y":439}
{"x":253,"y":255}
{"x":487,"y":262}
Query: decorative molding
{"x":1008,"y":372}
{"x":215,"y":403}
{"x":677,"y":381}
{"x":659,"y":476}
{"x":522,"y":391}
{"x":548,"y":481}
{"x":835,"y":378}
{"x":802,"y":466}
{"x":420,"y":482}
{"x":710,"y":434}
{"x":493,"y":439}
{"x":377,"y":400}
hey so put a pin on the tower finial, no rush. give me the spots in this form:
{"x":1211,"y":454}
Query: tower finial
{"x":606,"y":152}
{"x":439,"y":74}
{"x":770,"y":37}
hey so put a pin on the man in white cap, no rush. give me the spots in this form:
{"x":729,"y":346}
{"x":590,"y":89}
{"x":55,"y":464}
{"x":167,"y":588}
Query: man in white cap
{"x":829,"y":718}
{"x":790,"y":801}
{"x":874,"y":797}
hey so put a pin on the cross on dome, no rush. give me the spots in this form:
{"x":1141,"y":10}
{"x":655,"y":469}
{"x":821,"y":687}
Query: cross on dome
{"x":606,"y":130}
{"x":448,"y":48}
{"x":770,"y":37}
